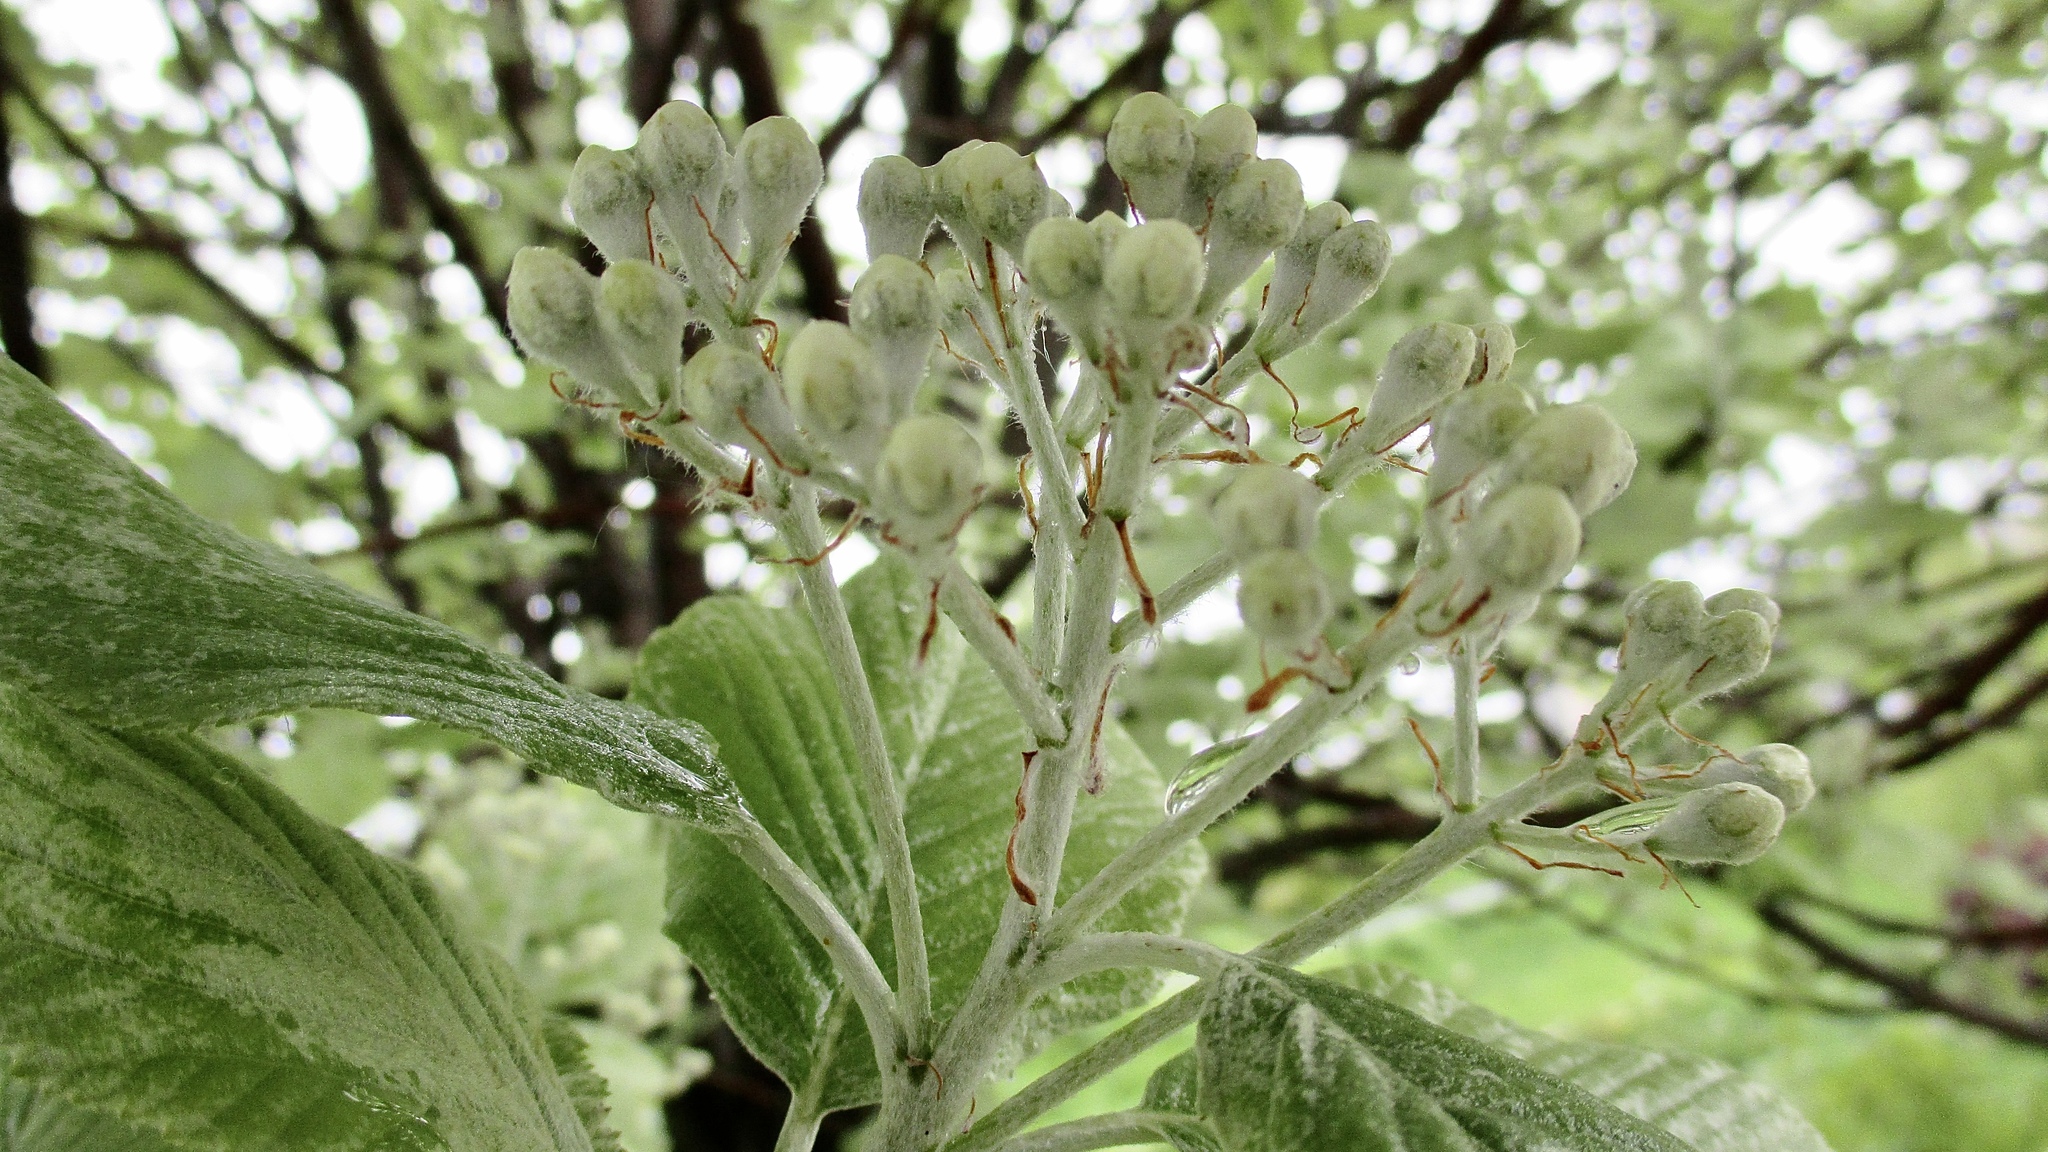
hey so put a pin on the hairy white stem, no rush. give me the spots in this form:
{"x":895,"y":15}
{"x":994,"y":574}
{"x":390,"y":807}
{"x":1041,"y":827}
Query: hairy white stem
{"x":1463,"y":777}
{"x":801,"y":530}
{"x":1129,"y":950}
{"x":970,"y":610}
{"x":1113,"y":1130}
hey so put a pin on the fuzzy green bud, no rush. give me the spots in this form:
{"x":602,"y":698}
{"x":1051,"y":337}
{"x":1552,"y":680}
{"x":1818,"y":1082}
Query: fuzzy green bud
{"x":965,"y":318}
{"x":1494,"y":355}
{"x":1294,"y":265}
{"x":895,"y":309}
{"x":1474,"y":429}
{"x":779,"y":173}
{"x":1063,"y":264}
{"x":1664,"y":619}
{"x":552,"y":303}
{"x":1577,"y":449}
{"x":1155,"y":272}
{"x":1266,"y":507}
{"x":610,"y":200}
{"x":1732,"y":647}
{"x":1779,"y":769}
{"x":947,"y":180}
{"x":681,"y":154}
{"x":928,"y":479}
{"x":1523,"y":541}
{"x":1150,"y":148}
{"x":1425,"y":368}
{"x":1255,"y":213}
{"x":640,"y":309}
{"x":734,"y":396}
{"x":1724,"y":824}
{"x":1721,"y":603}
{"x":836,"y":393}
{"x":1225,"y":137}
{"x":1005,"y":196}
{"x":1283,"y":598}
{"x":895,"y":208}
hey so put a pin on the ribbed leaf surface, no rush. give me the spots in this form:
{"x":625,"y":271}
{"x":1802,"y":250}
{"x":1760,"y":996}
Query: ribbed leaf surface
{"x":181,"y":946}
{"x":120,"y":603}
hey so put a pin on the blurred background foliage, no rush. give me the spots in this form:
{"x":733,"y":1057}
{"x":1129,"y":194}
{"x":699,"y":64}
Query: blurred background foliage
{"x":1797,"y":248}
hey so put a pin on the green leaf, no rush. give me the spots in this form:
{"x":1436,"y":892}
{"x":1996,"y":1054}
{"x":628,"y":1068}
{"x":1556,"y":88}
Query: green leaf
{"x":1290,"y":1063}
{"x":184,"y":947}
{"x":586,"y":1089}
{"x":120,"y":603}
{"x":33,"y":1121}
{"x":757,"y":679}
{"x":1703,"y":1102}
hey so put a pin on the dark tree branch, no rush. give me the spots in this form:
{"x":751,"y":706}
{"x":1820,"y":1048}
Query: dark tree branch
{"x":381,"y":514}
{"x":909,"y":24}
{"x":661,"y":32}
{"x":1905,"y":989}
{"x":1428,"y":95}
{"x":17,"y":265}
{"x":1145,"y":60}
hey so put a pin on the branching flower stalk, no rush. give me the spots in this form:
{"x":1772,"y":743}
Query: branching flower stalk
{"x":778,"y":421}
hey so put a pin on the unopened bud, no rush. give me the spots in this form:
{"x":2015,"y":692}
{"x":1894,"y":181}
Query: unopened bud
{"x":1063,"y":263}
{"x":1283,"y":598}
{"x":1779,"y":769}
{"x":1733,"y":647}
{"x":1267,"y":507}
{"x":610,"y":202}
{"x":681,"y":154}
{"x":1474,"y":429}
{"x":1225,"y":137}
{"x":640,"y":309}
{"x":928,"y":479}
{"x":1005,"y":195}
{"x":1523,"y":541}
{"x":969,"y":325}
{"x":1425,"y":368}
{"x":1724,"y":824}
{"x":779,"y":174}
{"x":895,"y":308}
{"x":947,"y":180}
{"x":1155,"y":272}
{"x":1721,"y":603}
{"x":1494,"y":355}
{"x":895,"y":208}
{"x":732,"y":394}
{"x":1664,"y":619}
{"x":552,"y":304}
{"x":1577,"y":449}
{"x":1294,"y":265}
{"x":1255,"y":213}
{"x":835,"y":392}
{"x":1150,"y":148}
{"x":1348,"y":269}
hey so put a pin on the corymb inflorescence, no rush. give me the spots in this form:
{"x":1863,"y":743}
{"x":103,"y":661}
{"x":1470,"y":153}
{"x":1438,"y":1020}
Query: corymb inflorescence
{"x":1160,"y":317}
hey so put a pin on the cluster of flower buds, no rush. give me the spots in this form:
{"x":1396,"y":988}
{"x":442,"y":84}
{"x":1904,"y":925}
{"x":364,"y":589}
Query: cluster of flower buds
{"x":1266,"y":520}
{"x":1678,"y":647}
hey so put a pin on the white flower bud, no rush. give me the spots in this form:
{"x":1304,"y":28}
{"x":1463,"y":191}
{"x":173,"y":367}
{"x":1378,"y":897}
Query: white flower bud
{"x":779,"y":173}
{"x":1063,"y":264}
{"x":1294,"y":265}
{"x":969,"y":324}
{"x":1283,"y":599}
{"x":1522,"y":542}
{"x":1664,"y":622}
{"x":552,"y":303}
{"x":1494,"y":355}
{"x":1150,"y":148}
{"x":734,"y":396}
{"x":1779,"y":769}
{"x":895,"y":308}
{"x":1725,"y":824}
{"x":1732,"y":647}
{"x":1474,"y":429}
{"x":836,"y":393}
{"x":681,"y":154}
{"x":1348,"y":269}
{"x":610,"y":203}
{"x":1255,"y":213}
{"x":1577,"y":449}
{"x":1005,"y":196}
{"x":928,"y":480}
{"x":895,"y":208}
{"x":1425,"y":368}
{"x":640,"y":309}
{"x":1267,"y":507}
{"x":947,"y":180}
{"x":1154,"y":273}
{"x":1225,"y":137}
{"x":1721,"y":603}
